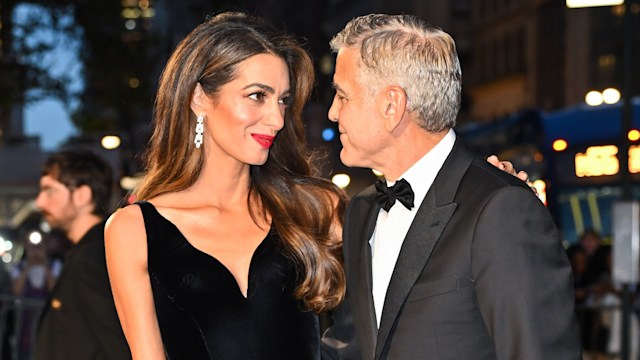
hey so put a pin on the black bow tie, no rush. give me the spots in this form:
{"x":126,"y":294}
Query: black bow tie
{"x":387,"y":196}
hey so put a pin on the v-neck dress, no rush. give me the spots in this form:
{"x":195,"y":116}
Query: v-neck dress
{"x":202,"y":313}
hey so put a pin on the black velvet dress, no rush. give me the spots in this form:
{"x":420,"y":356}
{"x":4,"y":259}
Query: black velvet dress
{"x":202,"y":313}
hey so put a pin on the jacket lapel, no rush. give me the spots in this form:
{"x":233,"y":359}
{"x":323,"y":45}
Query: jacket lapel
{"x":425,"y":231}
{"x":361,"y":224}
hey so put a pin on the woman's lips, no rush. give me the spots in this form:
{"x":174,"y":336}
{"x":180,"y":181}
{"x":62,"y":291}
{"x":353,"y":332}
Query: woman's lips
{"x":265,"y":141}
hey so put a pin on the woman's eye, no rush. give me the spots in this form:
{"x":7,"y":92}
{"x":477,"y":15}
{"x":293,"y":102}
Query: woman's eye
{"x":258,"y":96}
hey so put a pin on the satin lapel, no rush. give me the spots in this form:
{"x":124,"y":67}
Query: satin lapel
{"x":360,"y":227}
{"x":425,"y":231}
{"x":416,"y":249}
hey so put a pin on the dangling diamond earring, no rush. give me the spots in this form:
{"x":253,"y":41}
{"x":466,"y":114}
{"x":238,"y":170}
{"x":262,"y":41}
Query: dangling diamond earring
{"x":199,"y":131}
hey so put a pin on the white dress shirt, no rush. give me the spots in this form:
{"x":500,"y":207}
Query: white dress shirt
{"x":392,"y":227}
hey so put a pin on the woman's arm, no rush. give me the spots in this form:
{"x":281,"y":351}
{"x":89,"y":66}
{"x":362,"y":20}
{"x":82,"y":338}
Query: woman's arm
{"x":126,"y":253}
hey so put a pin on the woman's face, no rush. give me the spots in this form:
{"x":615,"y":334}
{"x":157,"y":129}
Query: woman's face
{"x":244,"y":117}
{"x":36,"y":254}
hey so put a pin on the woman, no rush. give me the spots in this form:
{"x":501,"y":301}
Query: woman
{"x":235,"y":244}
{"x":33,"y":279}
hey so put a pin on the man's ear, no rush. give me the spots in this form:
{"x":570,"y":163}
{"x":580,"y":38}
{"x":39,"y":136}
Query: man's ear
{"x":394,"y":105}
{"x":198,"y":100}
{"x":82,"y":196}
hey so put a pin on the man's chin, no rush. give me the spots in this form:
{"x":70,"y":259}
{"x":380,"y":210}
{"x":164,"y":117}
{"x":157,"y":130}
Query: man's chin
{"x":349,"y":161}
{"x":344,"y":159}
{"x":53,"y":225}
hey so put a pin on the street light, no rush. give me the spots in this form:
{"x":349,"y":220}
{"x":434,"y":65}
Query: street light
{"x":341,"y":180}
{"x":594,"y":98}
{"x":110,"y":142}
{"x":611,"y":95}
{"x":35,"y":237}
{"x":607,"y":96}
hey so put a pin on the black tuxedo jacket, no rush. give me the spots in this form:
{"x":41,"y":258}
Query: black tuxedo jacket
{"x":79,"y":321}
{"x":481,"y":275}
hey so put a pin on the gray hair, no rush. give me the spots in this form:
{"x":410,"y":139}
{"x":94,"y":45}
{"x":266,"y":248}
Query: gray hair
{"x":406,"y":51}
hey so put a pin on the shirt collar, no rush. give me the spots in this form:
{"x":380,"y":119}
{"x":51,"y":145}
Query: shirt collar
{"x":422,"y":174}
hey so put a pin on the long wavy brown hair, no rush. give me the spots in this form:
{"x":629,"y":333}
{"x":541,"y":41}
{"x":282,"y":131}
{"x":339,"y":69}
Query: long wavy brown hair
{"x":303,"y":207}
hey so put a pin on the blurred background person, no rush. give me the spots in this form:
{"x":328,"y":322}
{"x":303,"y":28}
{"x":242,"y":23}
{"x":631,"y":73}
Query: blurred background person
{"x":6,"y":321}
{"x":597,"y":301}
{"x":6,"y":283}
{"x":578,"y":259}
{"x":79,"y":321}
{"x":597,"y":256}
{"x":33,"y":279}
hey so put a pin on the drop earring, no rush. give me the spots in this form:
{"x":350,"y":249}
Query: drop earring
{"x":199,"y":131}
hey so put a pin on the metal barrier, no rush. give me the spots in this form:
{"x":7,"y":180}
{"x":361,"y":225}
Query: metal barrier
{"x":18,"y":324}
{"x":601,"y":325}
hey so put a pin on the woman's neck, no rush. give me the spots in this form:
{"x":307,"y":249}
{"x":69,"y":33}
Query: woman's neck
{"x":222,"y":185}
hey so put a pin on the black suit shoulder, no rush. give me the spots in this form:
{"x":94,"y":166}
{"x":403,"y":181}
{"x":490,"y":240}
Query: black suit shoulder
{"x":80,"y":321}
{"x":483,"y":181}
{"x":483,"y":170}
{"x":86,"y":267}
{"x":91,"y":247}
{"x":365,"y":196}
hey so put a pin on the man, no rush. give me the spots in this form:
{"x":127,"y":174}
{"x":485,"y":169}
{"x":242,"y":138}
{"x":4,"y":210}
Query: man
{"x":467,"y":264}
{"x":79,"y":321}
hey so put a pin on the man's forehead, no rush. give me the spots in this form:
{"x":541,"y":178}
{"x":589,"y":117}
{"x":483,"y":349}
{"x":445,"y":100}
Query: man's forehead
{"x":347,"y":56}
{"x":340,"y":63}
{"x":50,"y":181}
{"x":339,"y":81}
{"x":345,"y":67}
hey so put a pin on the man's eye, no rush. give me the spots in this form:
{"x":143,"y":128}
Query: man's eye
{"x":258,"y":96}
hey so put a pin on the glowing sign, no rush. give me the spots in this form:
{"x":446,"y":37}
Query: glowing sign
{"x":597,"y":161}
{"x":634,"y":159}
{"x":603,"y":160}
{"x":559,"y":145}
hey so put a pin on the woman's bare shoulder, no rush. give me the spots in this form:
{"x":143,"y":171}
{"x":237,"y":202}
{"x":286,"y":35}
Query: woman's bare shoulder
{"x":169,"y":202}
{"x":125,"y":227}
{"x":129,"y":215}
{"x":129,"y":219}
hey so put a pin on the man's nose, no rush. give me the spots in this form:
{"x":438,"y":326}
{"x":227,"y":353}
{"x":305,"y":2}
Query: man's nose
{"x":334,"y":111}
{"x":39,"y":201}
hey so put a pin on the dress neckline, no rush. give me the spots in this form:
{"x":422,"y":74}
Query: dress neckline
{"x":255,"y":255}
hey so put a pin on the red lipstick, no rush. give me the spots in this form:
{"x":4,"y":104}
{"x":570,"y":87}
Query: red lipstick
{"x":265,"y":141}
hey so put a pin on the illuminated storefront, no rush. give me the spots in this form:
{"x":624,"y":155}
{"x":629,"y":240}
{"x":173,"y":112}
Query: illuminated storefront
{"x":584,"y":175}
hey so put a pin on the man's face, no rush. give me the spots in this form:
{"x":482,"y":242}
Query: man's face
{"x":354,"y":109}
{"x":55,"y":200}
